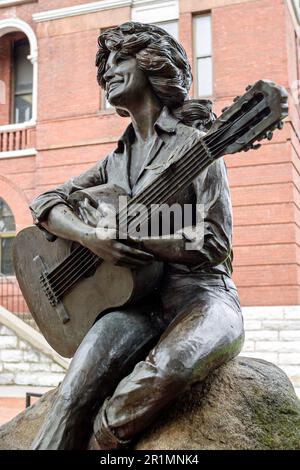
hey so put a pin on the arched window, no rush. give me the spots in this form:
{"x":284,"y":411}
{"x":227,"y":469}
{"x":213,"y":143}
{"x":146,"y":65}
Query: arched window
{"x":19,"y":68}
{"x":7,"y":234}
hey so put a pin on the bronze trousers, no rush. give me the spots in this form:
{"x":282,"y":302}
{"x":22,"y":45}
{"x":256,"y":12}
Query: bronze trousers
{"x":143,"y":357}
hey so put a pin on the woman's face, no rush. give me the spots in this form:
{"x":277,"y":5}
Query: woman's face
{"x":125,"y":82}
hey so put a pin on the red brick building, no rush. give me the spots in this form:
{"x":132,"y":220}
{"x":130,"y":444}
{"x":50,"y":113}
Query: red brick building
{"x":54,"y":122}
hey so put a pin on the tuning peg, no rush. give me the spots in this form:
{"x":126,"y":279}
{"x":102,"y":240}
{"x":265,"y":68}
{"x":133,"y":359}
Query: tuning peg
{"x":225,"y":109}
{"x":236,"y":99}
{"x":269,"y":135}
{"x":280,"y":125}
{"x":248,"y":87}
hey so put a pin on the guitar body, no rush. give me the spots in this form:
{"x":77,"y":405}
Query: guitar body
{"x":106,"y":287}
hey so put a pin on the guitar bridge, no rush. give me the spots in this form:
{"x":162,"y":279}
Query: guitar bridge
{"x":50,"y":293}
{"x":47,"y":288}
{"x":53,"y":298}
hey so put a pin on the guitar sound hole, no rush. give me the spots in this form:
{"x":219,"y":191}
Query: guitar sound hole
{"x":91,"y":271}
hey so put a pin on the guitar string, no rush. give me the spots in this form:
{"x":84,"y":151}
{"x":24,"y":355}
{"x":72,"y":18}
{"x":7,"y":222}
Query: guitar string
{"x":56,"y":279}
{"x":212,"y":138}
{"x":72,"y":279}
{"x":63,"y":273}
{"x":230,"y":139}
{"x":186,"y":177}
{"x":77,"y":275}
{"x":181,"y":176}
{"x":86,"y":256}
{"x":60,"y":270}
{"x":140,"y":199}
{"x":219,"y":145}
{"x":188,"y":180}
{"x":165,"y":181}
{"x":77,"y":278}
{"x":84,"y":267}
{"x":65,"y":264}
{"x":182,"y":164}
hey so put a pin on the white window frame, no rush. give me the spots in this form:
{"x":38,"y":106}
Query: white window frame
{"x":149,"y":11}
{"x":10,"y":25}
{"x":9,"y":3}
{"x":196,"y":57}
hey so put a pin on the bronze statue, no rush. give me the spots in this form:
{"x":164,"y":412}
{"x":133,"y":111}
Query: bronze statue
{"x":138,"y":358}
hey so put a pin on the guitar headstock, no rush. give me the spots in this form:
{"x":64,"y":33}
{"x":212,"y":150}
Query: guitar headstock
{"x":251,"y":118}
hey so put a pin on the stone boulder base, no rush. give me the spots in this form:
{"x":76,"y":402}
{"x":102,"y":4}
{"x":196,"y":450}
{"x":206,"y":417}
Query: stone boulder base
{"x":245,"y":404}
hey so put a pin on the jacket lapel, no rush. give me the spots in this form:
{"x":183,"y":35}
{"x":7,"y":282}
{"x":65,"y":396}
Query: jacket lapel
{"x":155,"y":149}
{"x":159,"y":155}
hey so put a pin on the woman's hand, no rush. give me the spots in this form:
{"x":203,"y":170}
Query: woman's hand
{"x":103,"y":243}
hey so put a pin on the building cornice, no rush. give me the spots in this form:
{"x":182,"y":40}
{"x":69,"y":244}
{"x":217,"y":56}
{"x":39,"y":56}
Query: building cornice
{"x":19,"y":153}
{"x":100,"y":6}
{"x":10,"y":3}
{"x":155,"y":11}
{"x":80,"y":10}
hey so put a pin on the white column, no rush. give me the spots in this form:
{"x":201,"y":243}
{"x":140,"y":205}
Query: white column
{"x":33,"y":57}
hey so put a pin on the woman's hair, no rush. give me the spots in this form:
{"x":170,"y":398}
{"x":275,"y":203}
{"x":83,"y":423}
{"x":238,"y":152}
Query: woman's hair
{"x":165,"y":63}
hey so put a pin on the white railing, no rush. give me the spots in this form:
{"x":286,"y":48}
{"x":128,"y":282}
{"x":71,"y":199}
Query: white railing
{"x":17,"y":139}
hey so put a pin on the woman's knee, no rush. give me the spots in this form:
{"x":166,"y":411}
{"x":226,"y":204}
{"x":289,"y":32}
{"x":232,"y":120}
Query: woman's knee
{"x":169,"y":371}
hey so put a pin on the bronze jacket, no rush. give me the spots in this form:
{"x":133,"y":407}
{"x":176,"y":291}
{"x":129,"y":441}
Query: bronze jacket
{"x":210,"y":188}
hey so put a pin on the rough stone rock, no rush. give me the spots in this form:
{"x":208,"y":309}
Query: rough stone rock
{"x":245,"y":404}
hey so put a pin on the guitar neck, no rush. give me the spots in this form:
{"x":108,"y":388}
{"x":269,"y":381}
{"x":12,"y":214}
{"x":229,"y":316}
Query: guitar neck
{"x":177,"y":176}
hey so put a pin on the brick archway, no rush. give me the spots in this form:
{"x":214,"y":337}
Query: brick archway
{"x":17,"y":202}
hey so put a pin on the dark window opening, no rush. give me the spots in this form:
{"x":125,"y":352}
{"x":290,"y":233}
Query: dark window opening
{"x":7,"y":235}
{"x":22,"y":82}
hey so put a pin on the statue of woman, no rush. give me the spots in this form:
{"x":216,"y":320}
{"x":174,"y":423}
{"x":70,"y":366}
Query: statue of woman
{"x":139,"y":358}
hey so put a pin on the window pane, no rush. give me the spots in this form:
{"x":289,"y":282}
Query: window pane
{"x":7,"y":221}
{"x":107,"y":104}
{"x":203,"y":45}
{"x":23,"y":69}
{"x":170,"y":26}
{"x":6,"y":266}
{"x":23,"y":73}
{"x":204,"y":77}
{"x":23,"y":108}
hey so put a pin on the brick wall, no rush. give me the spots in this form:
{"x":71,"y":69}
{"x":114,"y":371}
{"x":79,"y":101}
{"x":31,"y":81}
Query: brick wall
{"x":251,"y":40}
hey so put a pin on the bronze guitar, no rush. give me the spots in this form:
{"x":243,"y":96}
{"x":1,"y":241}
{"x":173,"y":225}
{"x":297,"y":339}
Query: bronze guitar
{"x":70,"y":286}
